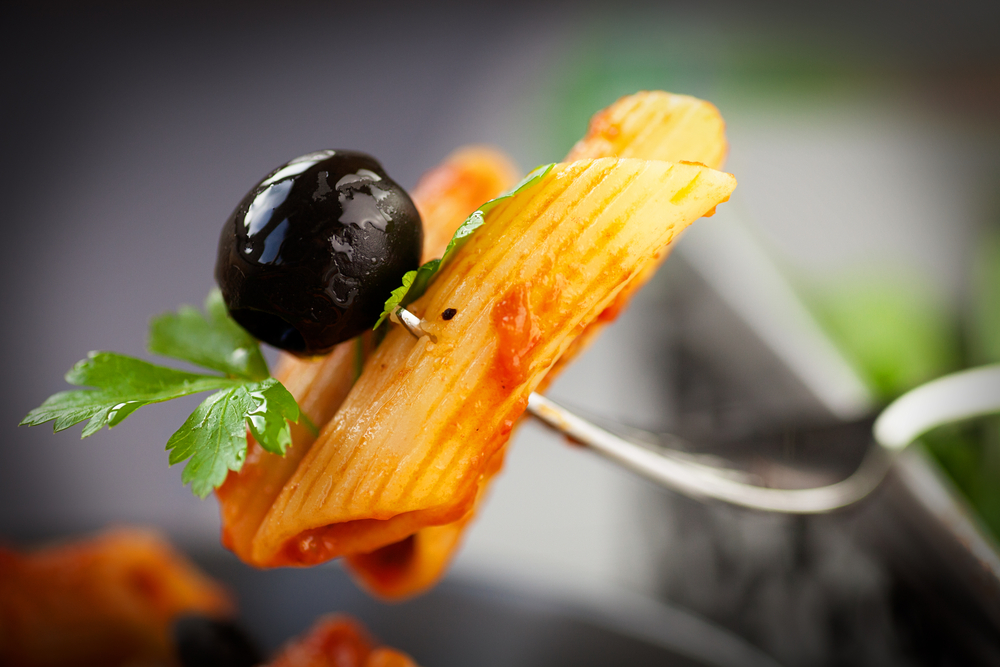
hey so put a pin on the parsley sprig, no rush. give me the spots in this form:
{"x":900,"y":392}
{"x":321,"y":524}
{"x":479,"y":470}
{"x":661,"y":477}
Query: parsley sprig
{"x":214,"y":438}
{"x":416,"y":282}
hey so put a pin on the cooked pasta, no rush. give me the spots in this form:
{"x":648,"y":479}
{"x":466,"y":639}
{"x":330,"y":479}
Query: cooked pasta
{"x":338,"y":641}
{"x":650,"y":125}
{"x":396,"y":474}
{"x":445,"y":197}
{"x":409,"y":445}
{"x":109,"y":600}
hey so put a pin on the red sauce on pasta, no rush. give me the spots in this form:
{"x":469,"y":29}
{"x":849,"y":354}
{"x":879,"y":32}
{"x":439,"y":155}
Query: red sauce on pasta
{"x":517,"y":333}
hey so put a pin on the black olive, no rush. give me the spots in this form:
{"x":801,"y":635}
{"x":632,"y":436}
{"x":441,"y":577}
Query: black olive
{"x":312,"y":252}
{"x":207,"y":642}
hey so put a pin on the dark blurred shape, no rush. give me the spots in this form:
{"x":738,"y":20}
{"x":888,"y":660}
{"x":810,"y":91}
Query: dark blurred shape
{"x":208,"y":642}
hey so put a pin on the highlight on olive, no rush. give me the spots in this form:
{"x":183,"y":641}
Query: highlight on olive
{"x":310,"y":255}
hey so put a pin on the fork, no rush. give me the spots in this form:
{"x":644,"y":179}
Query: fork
{"x":955,"y":397}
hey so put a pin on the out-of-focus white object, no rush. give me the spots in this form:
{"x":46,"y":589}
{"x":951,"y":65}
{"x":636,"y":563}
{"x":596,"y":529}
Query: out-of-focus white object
{"x":954,"y":397}
{"x":728,"y":257}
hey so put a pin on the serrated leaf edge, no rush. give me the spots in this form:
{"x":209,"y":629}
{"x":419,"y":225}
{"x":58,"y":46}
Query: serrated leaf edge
{"x":415,"y":283}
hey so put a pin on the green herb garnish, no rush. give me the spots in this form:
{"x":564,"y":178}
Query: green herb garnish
{"x":214,"y":437}
{"x":415,"y":283}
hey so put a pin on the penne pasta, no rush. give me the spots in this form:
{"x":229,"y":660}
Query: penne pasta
{"x":107,"y":600}
{"x":445,"y":197}
{"x":655,"y":125}
{"x":412,"y":441}
{"x":338,"y":641}
{"x":319,"y":386}
{"x":398,"y":554}
{"x":415,"y":563}
{"x":650,"y":125}
{"x":449,"y":193}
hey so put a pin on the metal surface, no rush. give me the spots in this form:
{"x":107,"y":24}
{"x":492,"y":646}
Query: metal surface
{"x":955,"y":397}
{"x":699,"y":480}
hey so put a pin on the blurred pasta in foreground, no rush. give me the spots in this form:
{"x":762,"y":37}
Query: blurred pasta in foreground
{"x":126,"y":598}
{"x":109,"y":600}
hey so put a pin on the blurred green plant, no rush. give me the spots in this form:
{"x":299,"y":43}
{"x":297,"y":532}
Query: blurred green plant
{"x":984,"y":326}
{"x":748,"y":69}
{"x":971,"y":455}
{"x":898,"y":335}
{"x":896,"y":332}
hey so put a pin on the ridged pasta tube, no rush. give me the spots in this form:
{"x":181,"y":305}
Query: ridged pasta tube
{"x":411,"y":443}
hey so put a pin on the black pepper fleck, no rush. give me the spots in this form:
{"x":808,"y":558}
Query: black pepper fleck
{"x":449,"y":313}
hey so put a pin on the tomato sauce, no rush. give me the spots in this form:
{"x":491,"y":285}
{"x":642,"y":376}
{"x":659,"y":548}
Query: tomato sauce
{"x":517,"y":333}
{"x":391,"y":561}
{"x":614,"y":309}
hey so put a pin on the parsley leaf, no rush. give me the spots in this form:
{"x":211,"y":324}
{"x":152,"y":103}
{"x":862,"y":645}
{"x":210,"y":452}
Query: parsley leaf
{"x":268,"y":420}
{"x":397,"y":295}
{"x":212,"y":340}
{"x":415,"y":283}
{"x":122,"y":385}
{"x":214,"y":437}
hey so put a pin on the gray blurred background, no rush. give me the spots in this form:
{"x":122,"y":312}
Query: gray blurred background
{"x":864,"y":137}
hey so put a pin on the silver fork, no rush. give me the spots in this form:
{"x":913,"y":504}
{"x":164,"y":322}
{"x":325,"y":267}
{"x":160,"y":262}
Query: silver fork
{"x":949,"y":399}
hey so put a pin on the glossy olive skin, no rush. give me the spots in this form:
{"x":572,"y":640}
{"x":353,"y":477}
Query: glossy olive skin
{"x":310,"y":255}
